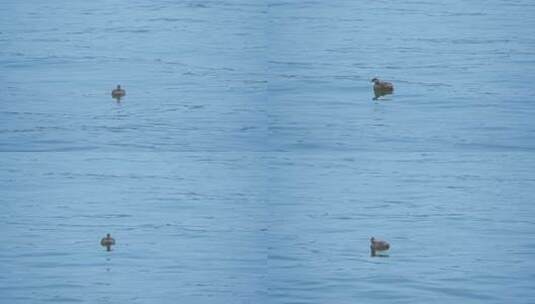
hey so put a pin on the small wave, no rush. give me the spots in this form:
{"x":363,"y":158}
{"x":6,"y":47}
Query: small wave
{"x":170,"y":19}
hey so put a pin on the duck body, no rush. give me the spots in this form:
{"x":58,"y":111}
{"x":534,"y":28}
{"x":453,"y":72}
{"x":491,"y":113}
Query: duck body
{"x":118,"y":92}
{"x":378,"y":246}
{"x":381,"y":88}
{"x":107,"y":242}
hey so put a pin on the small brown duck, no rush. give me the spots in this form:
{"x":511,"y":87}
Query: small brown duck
{"x":118,"y":93}
{"x":378,"y":245}
{"x":107,"y":242}
{"x":381,"y":88}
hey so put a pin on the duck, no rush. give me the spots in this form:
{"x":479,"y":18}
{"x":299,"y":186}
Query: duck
{"x":378,"y":245}
{"x":107,"y":242}
{"x":381,"y":88}
{"x":118,"y":92}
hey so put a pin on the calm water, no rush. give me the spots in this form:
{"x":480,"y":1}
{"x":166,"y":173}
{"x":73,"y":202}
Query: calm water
{"x":248,"y":163}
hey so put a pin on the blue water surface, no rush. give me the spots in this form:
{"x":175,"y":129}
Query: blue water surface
{"x":248,"y":162}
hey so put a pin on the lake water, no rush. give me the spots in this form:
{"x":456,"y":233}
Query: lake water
{"x":248,"y":162}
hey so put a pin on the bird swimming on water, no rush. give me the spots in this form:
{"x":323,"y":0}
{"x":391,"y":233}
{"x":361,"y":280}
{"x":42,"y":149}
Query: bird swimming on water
{"x":107,"y":242}
{"x":118,"y":93}
{"x":381,"y":88}
{"x":378,"y":246}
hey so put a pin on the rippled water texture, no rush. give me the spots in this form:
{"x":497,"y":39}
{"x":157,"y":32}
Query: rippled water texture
{"x":248,"y":162}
